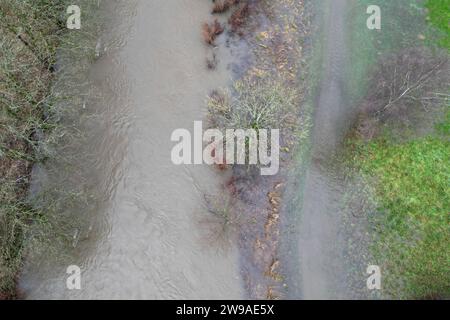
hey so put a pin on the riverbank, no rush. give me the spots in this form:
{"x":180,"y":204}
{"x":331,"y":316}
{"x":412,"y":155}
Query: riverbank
{"x":39,"y":123}
{"x":30,"y":33}
{"x":269,"y":92}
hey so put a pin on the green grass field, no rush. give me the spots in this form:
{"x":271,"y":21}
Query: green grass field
{"x":413,"y":230}
{"x":439,"y":16}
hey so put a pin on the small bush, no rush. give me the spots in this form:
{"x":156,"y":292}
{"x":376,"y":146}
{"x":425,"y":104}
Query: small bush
{"x":222,"y":223}
{"x":221,"y":6}
{"x":211,"y":31}
{"x":405,"y":86}
{"x":254,"y":104}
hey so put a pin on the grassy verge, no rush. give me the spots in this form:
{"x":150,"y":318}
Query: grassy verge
{"x":409,"y":176}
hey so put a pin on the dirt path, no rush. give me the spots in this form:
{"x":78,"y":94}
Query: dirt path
{"x":320,"y":256}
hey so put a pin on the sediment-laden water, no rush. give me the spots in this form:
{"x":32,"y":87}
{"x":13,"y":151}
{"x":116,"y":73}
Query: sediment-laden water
{"x":146,"y":241}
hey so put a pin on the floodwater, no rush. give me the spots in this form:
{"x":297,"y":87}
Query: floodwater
{"x":148,"y":242}
{"x":145,"y":239}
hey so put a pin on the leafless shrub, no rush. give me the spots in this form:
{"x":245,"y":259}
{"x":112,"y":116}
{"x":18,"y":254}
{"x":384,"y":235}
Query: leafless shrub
{"x":211,"y":62}
{"x":221,"y":6}
{"x":219,"y":107}
{"x":256,"y":104}
{"x":367,"y":126}
{"x":211,"y":31}
{"x":221,"y":223}
{"x":413,"y":79}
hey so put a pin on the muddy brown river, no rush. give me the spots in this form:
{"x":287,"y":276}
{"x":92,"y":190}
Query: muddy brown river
{"x":151,"y":245}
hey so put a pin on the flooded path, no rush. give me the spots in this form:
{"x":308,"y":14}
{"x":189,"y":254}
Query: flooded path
{"x":151,"y":244}
{"x":321,"y":262}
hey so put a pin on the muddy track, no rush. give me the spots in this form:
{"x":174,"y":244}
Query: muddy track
{"x":321,"y":262}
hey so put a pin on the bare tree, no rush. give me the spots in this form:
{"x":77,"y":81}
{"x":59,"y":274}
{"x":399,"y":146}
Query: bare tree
{"x":413,"y":77}
{"x":404,"y":83}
